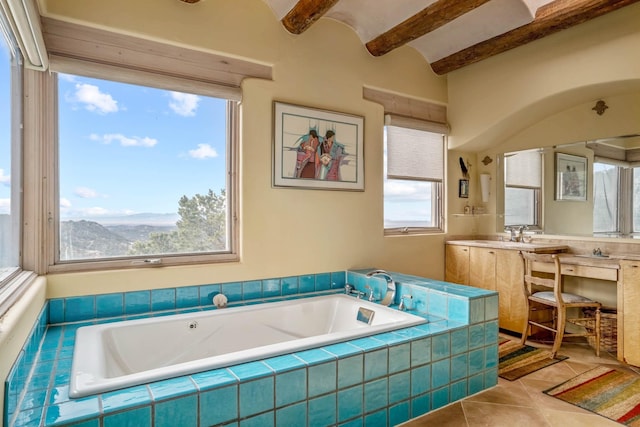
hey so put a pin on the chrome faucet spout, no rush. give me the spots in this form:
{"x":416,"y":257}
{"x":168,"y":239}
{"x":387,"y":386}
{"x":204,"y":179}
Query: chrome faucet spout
{"x":390,"y":295}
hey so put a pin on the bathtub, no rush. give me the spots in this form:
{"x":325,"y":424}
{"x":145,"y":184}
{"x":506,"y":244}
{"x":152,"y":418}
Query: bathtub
{"x":111,"y":356}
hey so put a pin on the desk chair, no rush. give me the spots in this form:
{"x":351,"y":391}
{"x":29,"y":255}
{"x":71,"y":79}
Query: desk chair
{"x":544,"y":292}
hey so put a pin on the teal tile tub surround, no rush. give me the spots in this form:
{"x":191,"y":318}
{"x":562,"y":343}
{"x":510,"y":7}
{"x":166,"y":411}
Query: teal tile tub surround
{"x":388,"y":378}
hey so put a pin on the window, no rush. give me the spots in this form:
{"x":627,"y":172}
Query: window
{"x":606,"y":185}
{"x":616,"y":198}
{"x":10,"y":136}
{"x":143,"y":173}
{"x":522,"y":193}
{"x":414,"y":171}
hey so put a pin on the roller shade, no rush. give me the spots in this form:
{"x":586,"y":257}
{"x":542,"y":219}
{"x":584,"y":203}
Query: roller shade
{"x":523,"y":169}
{"x":414,"y":154}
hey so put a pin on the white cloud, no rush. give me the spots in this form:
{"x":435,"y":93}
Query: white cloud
{"x":65,"y":203}
{"x":5,"y":206}
{"x":94,"y":100}
{"x":406,"y":189}
{"x":67,"y":77}
{"x":184,"y":104}
{"x":5,"y":179}
{"x":204,"y":151}
{"x":125,"y":141}
{"x":85,"y":193}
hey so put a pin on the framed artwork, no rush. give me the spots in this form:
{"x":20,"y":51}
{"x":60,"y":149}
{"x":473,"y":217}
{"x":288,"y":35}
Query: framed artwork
{"x":571,"y":177}
{"x":463,"y":189}
{"x":317,"y":149}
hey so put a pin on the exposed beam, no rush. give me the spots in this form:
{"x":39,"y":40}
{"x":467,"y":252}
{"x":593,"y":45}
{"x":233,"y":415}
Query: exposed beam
{"x":429,"y":19}
{"x":551,"y":18}
{"x":305,"y":13}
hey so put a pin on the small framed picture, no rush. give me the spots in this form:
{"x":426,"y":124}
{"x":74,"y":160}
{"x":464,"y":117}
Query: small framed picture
{"x":463,"y":189}
{"x":571,"y":177}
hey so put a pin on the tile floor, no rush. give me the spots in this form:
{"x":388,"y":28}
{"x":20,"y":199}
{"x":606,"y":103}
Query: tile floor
{"x":521,"y":403}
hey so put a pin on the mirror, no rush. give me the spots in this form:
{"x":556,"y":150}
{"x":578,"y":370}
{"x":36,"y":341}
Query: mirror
{"x":589,"y":188}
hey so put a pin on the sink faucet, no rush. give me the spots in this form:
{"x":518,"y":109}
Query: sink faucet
{"x":516,"y":232}
{"x":390,"y":295}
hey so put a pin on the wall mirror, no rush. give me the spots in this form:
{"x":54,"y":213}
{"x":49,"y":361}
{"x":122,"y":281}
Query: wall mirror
{"x":587,"y":188}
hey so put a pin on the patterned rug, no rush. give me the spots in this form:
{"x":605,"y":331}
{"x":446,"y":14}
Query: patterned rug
{"x":608,"y":392}
{"x":517,"y":360}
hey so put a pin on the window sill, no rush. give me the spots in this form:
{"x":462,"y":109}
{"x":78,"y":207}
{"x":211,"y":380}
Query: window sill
{"x":14,"y":289}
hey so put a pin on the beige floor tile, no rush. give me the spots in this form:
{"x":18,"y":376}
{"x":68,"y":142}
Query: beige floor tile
{"x":522,"y":402}
{"x":491,"y":414}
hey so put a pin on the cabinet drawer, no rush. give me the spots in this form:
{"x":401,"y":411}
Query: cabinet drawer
{"x":591,"y":272}
{"x":601,"y":273}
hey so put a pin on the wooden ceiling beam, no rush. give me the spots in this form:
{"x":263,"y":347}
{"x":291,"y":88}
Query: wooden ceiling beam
{"x":551,"y":18}
{"x":305,"y":13}
{"x":429,"y":19}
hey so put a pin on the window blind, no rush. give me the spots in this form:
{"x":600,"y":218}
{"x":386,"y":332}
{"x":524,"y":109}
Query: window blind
{"x":414,"y":153}
{"x":523,"y":169}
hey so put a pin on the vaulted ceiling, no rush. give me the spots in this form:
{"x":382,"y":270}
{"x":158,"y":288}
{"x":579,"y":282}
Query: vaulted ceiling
{"x":450,"y":34}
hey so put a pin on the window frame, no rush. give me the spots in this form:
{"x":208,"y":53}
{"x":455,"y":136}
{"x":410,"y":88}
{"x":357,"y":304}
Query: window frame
{"x":437,"y":206}
{"x":54,"y":264}
{"x":14,"y":282}
{"x":537,"y":196}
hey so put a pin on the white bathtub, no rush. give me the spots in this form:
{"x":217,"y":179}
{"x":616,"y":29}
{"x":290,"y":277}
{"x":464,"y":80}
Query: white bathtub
{"x":122,"y":354}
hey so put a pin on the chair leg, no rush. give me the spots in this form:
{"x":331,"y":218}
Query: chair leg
{"x":597,"y":332}
{"x":560,"y":325}
{"x":525,"y":331}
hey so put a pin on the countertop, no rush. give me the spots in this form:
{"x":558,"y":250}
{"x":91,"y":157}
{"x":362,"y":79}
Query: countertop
{"x":516,"y":246}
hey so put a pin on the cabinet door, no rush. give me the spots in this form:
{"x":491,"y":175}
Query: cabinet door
{"x":482,"y":268}
{"x":630,"y":312}
{"x":457,"y":264}
{"x":509,"y":284}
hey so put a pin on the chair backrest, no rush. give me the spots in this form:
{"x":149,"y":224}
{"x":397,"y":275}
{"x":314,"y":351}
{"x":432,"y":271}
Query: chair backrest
{"x":550,"y":281}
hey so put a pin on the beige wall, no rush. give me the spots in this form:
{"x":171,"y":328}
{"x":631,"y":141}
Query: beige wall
{"x":326,"y":67}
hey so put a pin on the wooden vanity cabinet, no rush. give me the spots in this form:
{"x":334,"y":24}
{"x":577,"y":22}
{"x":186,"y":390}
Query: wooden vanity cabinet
{"x":629,"y":318}
{"x":498,"y":270}
{"x":456,"y":264}
{"x":482,"y":268}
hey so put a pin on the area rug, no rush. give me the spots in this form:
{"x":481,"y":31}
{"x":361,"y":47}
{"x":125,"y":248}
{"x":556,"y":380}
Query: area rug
{"x":517,"y":360}
{"x":612,"y":393}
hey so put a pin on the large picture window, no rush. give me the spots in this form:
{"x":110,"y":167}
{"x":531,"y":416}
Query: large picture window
{"x":10,"y":155}
{"x":143,"y":173}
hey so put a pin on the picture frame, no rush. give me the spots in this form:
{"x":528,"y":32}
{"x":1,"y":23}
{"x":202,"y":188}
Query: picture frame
{"x":317,"y":149}
{"x":571,"y":177}
{"x":463,"y":189}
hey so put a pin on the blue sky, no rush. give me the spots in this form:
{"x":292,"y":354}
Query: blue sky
{"x":127,"y":149}
{"x":5,"y":153}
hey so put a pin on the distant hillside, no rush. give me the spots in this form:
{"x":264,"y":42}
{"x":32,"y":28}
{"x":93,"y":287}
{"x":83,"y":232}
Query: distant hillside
{"x":88,"y":239}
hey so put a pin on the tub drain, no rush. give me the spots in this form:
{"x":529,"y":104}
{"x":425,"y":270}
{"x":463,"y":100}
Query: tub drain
{"x":193,"y":325}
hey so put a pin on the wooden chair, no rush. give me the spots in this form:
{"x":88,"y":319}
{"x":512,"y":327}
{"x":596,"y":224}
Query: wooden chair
{"x":544,"y":291}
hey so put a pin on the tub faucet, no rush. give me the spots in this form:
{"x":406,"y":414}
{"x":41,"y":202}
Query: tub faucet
{"x":390,"y":295}
{"x":350,"y":290}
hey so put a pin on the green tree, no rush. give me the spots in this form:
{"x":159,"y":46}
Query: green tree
{"x":202,"y":227}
